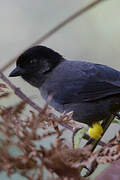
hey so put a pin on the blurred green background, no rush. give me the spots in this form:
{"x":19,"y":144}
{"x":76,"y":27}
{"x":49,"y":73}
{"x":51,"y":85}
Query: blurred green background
{"x":93,"y":36}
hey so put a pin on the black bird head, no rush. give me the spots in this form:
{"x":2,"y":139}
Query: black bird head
{"x":35,"y":64}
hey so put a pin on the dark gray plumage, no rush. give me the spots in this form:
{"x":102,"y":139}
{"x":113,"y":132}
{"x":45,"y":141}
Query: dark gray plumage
{"x":91,"y":90}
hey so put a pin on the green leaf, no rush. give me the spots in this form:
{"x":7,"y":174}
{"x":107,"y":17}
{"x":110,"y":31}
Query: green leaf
{"x":116,"y":121}
{"x":78,"y":135}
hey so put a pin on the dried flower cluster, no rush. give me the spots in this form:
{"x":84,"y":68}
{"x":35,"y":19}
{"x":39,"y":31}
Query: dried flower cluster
{"x":21,"y":132}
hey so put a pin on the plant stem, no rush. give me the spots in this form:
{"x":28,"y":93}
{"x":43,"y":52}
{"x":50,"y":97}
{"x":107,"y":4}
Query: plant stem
{"x":55,"y":29}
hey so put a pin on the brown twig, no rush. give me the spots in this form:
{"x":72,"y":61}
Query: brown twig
{"x":21,"y":95}
{"x":54,"y":30}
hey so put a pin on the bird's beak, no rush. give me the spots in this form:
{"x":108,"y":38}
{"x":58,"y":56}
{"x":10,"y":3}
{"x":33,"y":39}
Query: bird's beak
{"x":17,"y":72}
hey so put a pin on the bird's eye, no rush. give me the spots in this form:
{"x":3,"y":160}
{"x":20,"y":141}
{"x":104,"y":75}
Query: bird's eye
{"x":32,"y":61}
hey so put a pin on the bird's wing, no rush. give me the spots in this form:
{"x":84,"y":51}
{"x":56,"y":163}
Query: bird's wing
{"x":97,"y":82}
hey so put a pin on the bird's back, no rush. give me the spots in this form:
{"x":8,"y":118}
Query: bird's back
{"x":75,"y":81}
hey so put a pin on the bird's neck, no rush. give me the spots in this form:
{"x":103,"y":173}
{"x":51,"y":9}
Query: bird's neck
{"x":36,"y":79}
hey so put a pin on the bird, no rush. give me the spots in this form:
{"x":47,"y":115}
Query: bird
{"x":90,"y":90}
